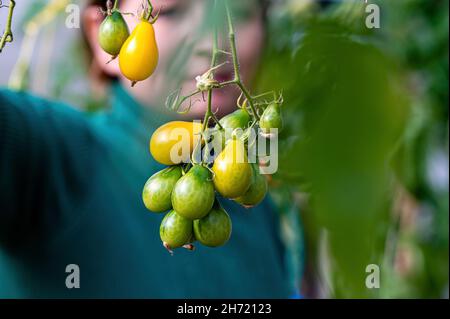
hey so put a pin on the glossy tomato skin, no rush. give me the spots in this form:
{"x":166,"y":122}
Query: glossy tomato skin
{"x":214,"y":229}
{"x":193,"y":195}
{"x":271,"y":119}
{"x":139,"y":54}
{"x":256,"y":192}
{"x":158,"y":189}
{"x":232,"y":172}
{"x":238,"y":119}
{"x":113,"y":33}
{"x":173,"y":137}
{"x":175,"y":230}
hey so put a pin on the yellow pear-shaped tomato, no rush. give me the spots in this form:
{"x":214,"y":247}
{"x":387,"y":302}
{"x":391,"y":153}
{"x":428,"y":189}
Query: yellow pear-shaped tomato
{"x":232,"y":172}
{"x":139,"y":55}
{"x":174,"y":142}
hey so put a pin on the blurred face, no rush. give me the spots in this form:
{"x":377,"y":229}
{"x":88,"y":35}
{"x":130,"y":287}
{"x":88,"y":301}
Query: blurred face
{"x":178,"y":30}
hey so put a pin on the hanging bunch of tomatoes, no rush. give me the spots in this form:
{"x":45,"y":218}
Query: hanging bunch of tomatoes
{"x":216,"y":162}
{"x":203,"y":160}
{"x":138,"y":51}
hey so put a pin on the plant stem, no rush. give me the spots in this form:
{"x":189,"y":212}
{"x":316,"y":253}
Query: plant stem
{"x":116,"y":4}
{"x":7,"y":35}
{"x":208,"y":112}
{"x":237,"y":74}
{"x":215,"y":49}
{"x":150,"y":10}
{"x":215,"y":52}
{"x":232,"y":38}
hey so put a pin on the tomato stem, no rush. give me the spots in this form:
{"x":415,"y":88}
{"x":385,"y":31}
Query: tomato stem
{"x":113,"y":57}
{"x":237,"y":74}
{"x":209,"y":88}
{"x":208,"y":111}
{"x":149,"y":15}
{"x":7,"y":34}
{"x":215,"y":52}
{"x":209,"y":114}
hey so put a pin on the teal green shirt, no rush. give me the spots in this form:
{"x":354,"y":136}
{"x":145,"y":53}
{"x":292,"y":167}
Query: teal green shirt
{"x":70,"y":193}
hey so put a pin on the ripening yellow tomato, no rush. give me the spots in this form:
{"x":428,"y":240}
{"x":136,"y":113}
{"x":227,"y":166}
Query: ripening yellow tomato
{"x":232,"y":172}
{"x":139,"y":55}
{"x":173,"y":143}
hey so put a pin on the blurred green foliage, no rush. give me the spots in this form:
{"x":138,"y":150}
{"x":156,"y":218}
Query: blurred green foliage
{"x":419,"y":40}
{"x":363,"y":108}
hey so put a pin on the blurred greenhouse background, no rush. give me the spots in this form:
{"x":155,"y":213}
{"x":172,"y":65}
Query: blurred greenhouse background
{"x":365,"y":149}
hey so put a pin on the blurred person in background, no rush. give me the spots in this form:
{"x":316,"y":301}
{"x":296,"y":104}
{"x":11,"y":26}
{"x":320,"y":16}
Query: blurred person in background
{"x":71,"y":183}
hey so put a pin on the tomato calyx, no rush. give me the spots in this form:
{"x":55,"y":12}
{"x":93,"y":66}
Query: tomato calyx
{"x":110,"y":8}
{"x":206,"y":81}
{"x":147,"y":13}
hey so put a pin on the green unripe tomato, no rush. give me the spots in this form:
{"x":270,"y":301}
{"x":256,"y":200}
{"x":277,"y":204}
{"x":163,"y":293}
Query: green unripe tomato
{"x":257,"y":190}
{"x":157,"y":191}
{"x":271,"y":119}
{"x":175,"y":230}
{"x":238,"y":119}
{"x":193,"y":195}
{"x":214,"y":229}
{"x":113,"y":32}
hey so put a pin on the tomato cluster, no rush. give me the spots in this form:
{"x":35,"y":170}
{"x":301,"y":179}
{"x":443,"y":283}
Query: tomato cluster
{"x":137,"y":52}
{"x":186,"y":190}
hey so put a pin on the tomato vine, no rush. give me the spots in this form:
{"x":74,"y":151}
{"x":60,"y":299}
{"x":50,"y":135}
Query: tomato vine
{"x":207,"y":84}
